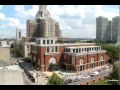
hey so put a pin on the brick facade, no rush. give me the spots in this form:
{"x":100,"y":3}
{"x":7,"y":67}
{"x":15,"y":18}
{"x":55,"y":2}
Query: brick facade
{"x":66,"y":59}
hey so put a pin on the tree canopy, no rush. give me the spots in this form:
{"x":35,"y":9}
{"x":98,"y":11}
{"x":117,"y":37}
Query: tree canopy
{"x":113,"y":51}
{"x":17,"y":51}
{"x":55,"y":80}
{"x":114,"y":75}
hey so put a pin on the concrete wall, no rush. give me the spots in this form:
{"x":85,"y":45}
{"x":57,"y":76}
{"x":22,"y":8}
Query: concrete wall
{"x":5,"y":54}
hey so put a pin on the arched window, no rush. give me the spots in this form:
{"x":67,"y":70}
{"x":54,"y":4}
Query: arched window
{"x":101,"y":58}
{"x":52,"y":60}
{"x":81,"y":61}
{"x":102,"y":62}
{"x":81,"y":65}
{"x":92,"y":62}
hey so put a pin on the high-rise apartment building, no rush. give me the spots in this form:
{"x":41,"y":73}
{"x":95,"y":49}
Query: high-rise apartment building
{"x":103,"y":29}
{"x":43,"y":25}
{"x":18,"y":34}
{"x":115,"y":28}
{"x":108,"y":34}
{"x":31,"y":28}
{"x":57,"y":30}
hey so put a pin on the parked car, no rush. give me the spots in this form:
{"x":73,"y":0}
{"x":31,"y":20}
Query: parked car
{"x":95,"y":73}
{"x":85,"y":76}
{"x":68,"y":81}
{"x":60,"y":73}
{"x":77,"y":79}
{"x":27,"y":60}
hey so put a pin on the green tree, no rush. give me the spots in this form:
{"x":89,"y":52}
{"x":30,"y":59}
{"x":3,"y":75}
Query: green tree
{"x":113,"y":51}
{"x":17,"y":51}
{"x":114,"y":75}
{"x":55,"y":80}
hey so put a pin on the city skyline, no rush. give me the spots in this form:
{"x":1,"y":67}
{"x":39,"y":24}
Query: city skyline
{"x":66,"y":15}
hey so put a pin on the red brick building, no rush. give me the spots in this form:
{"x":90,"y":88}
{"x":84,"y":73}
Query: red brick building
{"x":48,"y":55}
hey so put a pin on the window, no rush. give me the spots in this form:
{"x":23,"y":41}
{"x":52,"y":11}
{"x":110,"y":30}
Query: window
{"x":81,"y":65}
{"x":56,"y":48}
{"x":92,"y":60}
{"x":81,"y":61}
{"x":92,"y":65}
{"x":47,"y":49}
{"x":52,"y":49}
{"x":73,"y":60}
{"x":65,"y":50}
{"x":39,"y":41}
{"x":95,"y":48}
{"x":79,"y":50}
{"x":73,"y":50}
{"x":82,"y":49}
{"x":76,"y":50}
{"x":43,"y":41}
{"x":87,"y":49}
{"x":47,"y":41}
{"x":68,"y":50}
{"x":101,"y":58}
{"x":51,"y":41}
{"x":90,"y":49}
{"x":28,"y":48}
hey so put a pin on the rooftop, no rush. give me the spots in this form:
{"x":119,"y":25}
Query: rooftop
{"x":10,"y":76}
{"x":82,"y":46}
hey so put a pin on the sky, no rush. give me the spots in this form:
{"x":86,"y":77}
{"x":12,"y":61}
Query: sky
{"x":76,"y":21}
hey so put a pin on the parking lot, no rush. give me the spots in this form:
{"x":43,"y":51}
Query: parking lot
{"x":77,"y":78}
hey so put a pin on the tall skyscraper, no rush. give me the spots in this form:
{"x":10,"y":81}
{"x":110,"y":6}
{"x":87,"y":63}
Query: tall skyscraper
{"x":18,"y":34}
{"x":115,"y":28}
{"x":118,"y":38}
{"x":43,"y":25}
{"x":103,"y":29}
{"x":31,"y":28}
{"x":57,"y":30}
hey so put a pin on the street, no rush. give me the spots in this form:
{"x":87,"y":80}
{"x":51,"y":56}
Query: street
{"x":101,"y":74}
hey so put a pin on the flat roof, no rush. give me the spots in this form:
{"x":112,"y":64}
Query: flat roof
{"x":11,"y":76}
{"x":76,"y":54}
{"x":67,"y":44}
{"x":82,"y":46}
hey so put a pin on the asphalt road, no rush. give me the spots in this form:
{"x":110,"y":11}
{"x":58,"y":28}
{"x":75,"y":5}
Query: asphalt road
{"x":101,"y":74}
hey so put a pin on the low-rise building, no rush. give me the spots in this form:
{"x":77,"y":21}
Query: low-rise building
{"x":49,"y":55}
{"x":5,"y":54}
{"x":4,"y":44}
{"x":4,"y":51}
{"x":27,"y":47}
